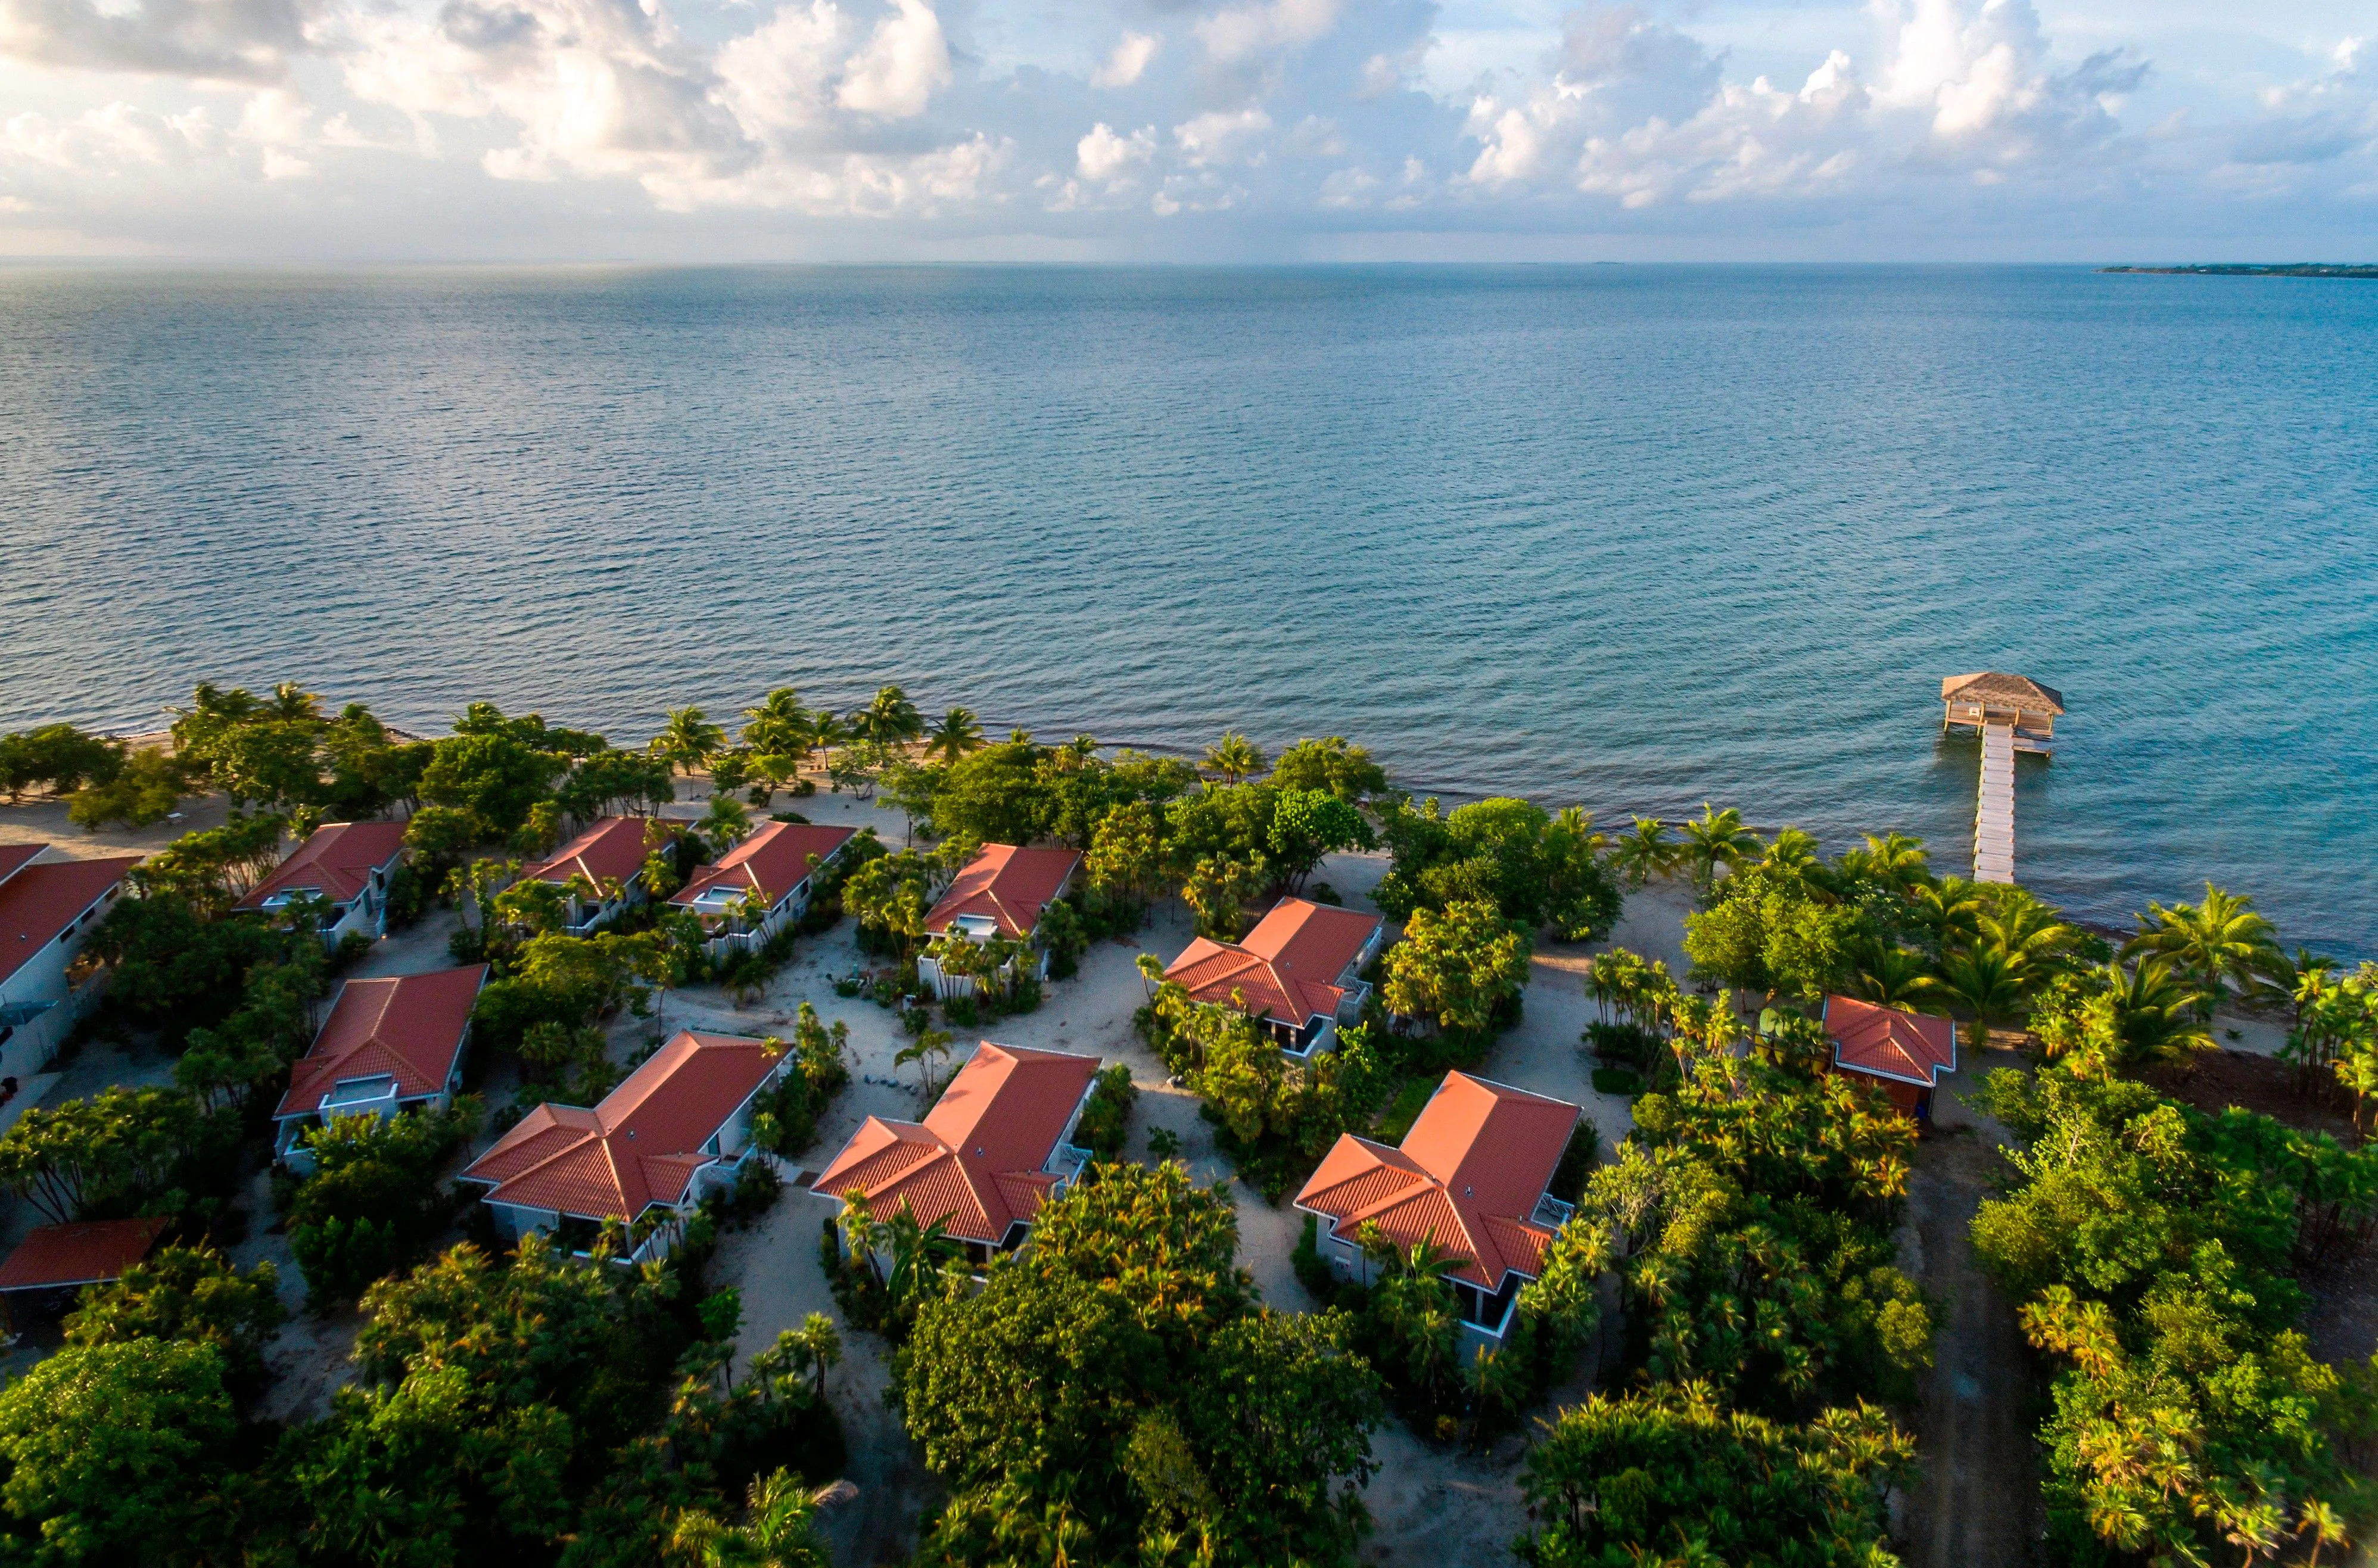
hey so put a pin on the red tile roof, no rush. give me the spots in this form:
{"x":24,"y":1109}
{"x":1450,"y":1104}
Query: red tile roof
{"x":975,"y":1161}
{"x":612,"y":851}
{"x":1885,"y":1042}
{"x":38,"y":902}
{"x":641,"y":1145}
{"x":337,"y":861}
{"x":1008,"y":884}
{"x":92,"y":1252}
{"x":406,"y":1027}
{"x":1287,"y":968}
{"x":14,"y":857}
{"x":1468,"y":1174}
{"x":775,"y":860}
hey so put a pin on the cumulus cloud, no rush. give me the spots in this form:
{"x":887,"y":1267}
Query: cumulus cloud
{"x":1285,"y":118}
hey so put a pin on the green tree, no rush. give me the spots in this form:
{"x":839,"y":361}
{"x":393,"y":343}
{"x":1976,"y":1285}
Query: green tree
{"x":373,"y":1201}
{"x":188,"y":1294}
{"x":115,"y":1151}
{"x":144,"y":793}
{"x":114,"y":1451}
{"x":957,"y":734}
{"x":688,"y":740}
{"x":59,"y":755}
{"x":2216,"y":943}
{"x":1307,"y":824}
{"x":213,"y":868}
{"x":889,"y":719}
{"x":1716,"y":839}
{"x":1127,"y":853}
{"x":1645,"y":851}
{"x":494,"y":778}
{"x":1233,"y":756}
{"x":1330,"y":765}
{"x":779,"y":725}
{"x":1670,"y":1475}
{"x":1461,"y":969}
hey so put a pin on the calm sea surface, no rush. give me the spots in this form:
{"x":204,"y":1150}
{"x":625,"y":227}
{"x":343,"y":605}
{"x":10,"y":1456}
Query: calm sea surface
{"x":1627,"y":536}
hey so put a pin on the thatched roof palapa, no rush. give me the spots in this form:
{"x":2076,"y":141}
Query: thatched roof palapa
{"x":2010,"y":691}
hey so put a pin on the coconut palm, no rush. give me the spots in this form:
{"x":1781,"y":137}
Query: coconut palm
{"x":1890,"y":976}
{"x":290,"y":701}
{"x":818,"y":1345}
{"x":2324,"y":1524}
{"x":1233,"y":756}
{"x":957,"y":733}
{"x":2214,"y":943}
{"x":889,"y":719}
{"x":2358,"y":1074}
{"x":2155,"y":1013}
{"x":919,"y":1253}
{"x":1948,"y":909}
{"x":688,"y":740}
{"x":779,"y":726}
{"x":1793,"y":850}
{"x":1986,"y":984}
{"x":727,"y":824}
{"x":1715,"y":838}
{"x":2026,"y":930}
{"x":1896,"y":861}
{"x":826,"y":732}
{"x":1644,"y":851}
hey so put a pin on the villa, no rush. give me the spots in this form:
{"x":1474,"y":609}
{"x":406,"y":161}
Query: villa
{"x":772,"y":868}
{"x":1902,"y":1054}
{"x":1000,"y":894}
{"x":1468,"y":1178}
{"x":609,"y":858}
{"x":346,"y":864}
{"x":1298,"y":973}
{"x":677,"y":1129}
{"x":389,"y":1046}
{"x":47,"y":913}
{"x":994,"y":1148}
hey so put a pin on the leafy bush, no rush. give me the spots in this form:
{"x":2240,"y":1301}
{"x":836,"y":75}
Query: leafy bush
{"x":1625,"y":1044}
{"x":1105,"y":1125}
{"x":1617,"y":1080}
{"x":189,"y":1294}
{"x":785,"y":1117}
{"x":373,"y":1201}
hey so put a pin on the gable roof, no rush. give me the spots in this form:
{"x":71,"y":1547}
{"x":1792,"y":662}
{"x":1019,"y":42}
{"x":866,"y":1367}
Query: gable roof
{"x":1907,"y":1047}
{"x":775,"y":860}
{"x":14,"y":858}
{"x":1469,"y":1174}
{"x":38,"y":902}
{"x":1287,"y":968}
{"x":89,"y":1252}
{"x":640,"y":1145}
{"x":1997,"y":685}
{"x":406,"y":1027}
{"x":336,"y":859}
{"x":613,"y":849}
{"x":975,"y":1160}
{"x":1009,"y":884}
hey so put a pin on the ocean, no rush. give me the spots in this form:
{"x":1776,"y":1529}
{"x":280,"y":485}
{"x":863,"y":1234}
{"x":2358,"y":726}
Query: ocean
{"x":1631,"y":538}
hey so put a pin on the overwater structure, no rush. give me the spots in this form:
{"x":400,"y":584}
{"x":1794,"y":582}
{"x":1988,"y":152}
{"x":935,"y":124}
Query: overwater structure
{"x":2013,"y":714}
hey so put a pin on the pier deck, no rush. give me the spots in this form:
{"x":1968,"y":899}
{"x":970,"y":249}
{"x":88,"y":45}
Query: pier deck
{"x":1994,"y":813}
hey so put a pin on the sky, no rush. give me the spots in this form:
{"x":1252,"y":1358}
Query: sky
{"x":344,"y":131}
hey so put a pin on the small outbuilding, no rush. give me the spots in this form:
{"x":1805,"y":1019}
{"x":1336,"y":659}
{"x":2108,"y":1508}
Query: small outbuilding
{"x":1902,"y":1054}
{"x":1993,"y":696}
{"x":52,"y":1260}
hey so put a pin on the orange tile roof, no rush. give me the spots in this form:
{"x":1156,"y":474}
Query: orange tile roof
{"x":1287,"y":968}
{"x":613,"y":849}
{"x":1009,"y":884}
{"x":975,"y":1160}
{"x":1468,"y":1174}
{"x":407,"y":1027}
{"x":640,"y":1145}
{"x":337,"y":861}
{"x":14,"y":858}
{"x":773,"y":859}
{"x":1884,"y":1041}
{"x":38,"y":902}
{"x":92,"y":1252}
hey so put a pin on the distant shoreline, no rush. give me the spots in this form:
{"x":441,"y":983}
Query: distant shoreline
{"x":2243,"y":269}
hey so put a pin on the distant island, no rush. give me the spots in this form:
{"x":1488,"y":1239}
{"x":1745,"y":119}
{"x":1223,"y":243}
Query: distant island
{"x":2241,"y":269}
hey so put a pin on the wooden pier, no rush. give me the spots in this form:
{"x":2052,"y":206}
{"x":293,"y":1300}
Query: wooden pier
{"x":2015,"y":714}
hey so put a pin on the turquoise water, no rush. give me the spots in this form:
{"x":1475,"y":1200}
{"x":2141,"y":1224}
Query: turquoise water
{"x":1630,"y":537}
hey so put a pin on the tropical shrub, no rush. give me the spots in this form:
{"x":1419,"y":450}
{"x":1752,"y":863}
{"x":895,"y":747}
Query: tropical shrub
{"x":785,"y":1119}
{"x":1105,"y":1124}
{"x":1461,"y":970}
{"x":373,"y":1201}
{"x":188,"y":1294}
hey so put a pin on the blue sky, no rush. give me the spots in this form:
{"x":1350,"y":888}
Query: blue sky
{"x":360,"y":130}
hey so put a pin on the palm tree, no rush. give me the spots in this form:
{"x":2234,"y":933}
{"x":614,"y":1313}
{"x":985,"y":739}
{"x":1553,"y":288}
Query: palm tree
{"x":1986,"y":984}
{"x":1715,"y":838}
{"x":290,"y":701}
{"x":2155,"y":1014}
{"x":728,"y":824}
{"x":688,"y":740}
{"x":1948,"y":909}
{"x":2213,"y":943}
{"x":889,"y":718}
{"x":819,"y":1343}
{"x":957,"y":733}
{"x":2020,"y":925}
{"x":1897,"y":860}
{"x":779,"y":726}
{"x":826,"y":732}
{"x":919,"y":1253}
{"x":780,"y":1533}
{"x":1233,"y":756}
{"x":2358,"y":1074}
{"x":1644,"y":851}
{"x":1793,"y":850}
{"x":1890,"y":976}
{"x":2323,"y":1523}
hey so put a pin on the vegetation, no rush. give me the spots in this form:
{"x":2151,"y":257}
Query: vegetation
{"x":1537,"y":869}
{"x":1118,"y":1393}
{"x":372,"y":1202}
{"x":189,"y":1294}
{"x":784,"y":1120}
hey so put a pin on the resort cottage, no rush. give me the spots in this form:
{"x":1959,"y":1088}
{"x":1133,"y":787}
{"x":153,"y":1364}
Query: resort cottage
{"x":1299,"y":973}
{"x":389,"y":1046}
{"x":677,"y":1128}
{"x":1902,"y":1054}
{"x":771,"y":869}
{"x":999,"y":895}
{"x":1470,"y":1178}
{"x":346,"y":864}
{"x":990,"y":1154}
{"x":52,"y":1262}
{"x":47,"y":912}
{"x":608,"y":858}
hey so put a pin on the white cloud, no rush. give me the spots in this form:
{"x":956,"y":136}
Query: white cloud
{"x":905,"y":59}
{"x":1127,"y":62}
{"x":1103,"y":155}
{"x":1235,"y":137}
{"x":1243,"y":31}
